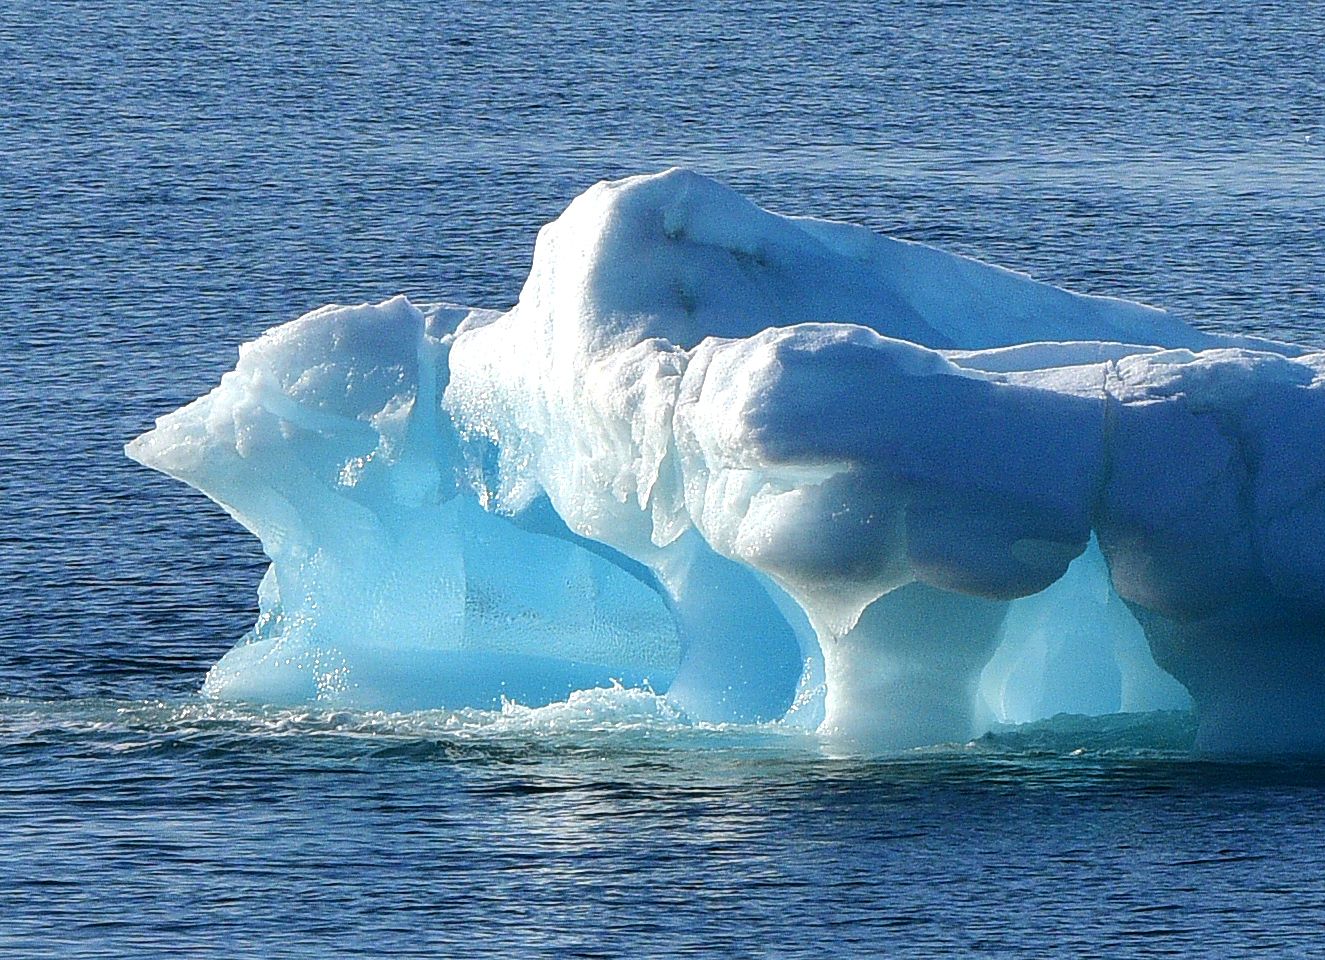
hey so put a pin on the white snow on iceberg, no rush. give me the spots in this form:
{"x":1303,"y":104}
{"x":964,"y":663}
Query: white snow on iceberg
{"x":778,"y":467}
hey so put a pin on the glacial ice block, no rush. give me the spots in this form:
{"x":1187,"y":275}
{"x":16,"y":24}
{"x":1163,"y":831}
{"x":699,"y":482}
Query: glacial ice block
{"x":856,"y":417}
{"x":390,"y":587}
{"x":1213,"y":523}
{"x":762,"y":460}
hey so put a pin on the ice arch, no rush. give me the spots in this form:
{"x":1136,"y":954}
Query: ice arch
{"x":837,"y":455}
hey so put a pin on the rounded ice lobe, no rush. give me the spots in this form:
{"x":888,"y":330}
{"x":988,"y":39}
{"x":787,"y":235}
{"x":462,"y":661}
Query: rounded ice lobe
{"x":390,"y":587}
{"x":781,"y":467}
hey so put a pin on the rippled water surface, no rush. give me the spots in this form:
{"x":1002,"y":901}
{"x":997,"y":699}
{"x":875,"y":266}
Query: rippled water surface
{"x":175,"y":178}
{"x":607,"y":828}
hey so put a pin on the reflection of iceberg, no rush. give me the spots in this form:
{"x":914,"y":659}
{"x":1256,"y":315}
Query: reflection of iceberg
{"x":740,"y":452}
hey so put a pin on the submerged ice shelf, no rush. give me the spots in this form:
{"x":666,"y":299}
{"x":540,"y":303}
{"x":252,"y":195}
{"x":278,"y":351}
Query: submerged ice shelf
{"x":779,"y":468}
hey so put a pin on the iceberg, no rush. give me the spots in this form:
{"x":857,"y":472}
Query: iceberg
{"x":780,"y":469}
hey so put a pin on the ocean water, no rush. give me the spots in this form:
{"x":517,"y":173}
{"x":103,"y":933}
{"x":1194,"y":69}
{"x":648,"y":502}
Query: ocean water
{"x":175,"y":178}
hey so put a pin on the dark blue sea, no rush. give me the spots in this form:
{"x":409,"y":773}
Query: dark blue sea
{"x":177,"y":177}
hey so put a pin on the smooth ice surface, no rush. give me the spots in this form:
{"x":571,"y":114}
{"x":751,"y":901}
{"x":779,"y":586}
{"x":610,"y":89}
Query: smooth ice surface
{"x":824,"y":467}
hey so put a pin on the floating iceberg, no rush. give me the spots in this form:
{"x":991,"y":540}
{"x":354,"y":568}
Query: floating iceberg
{"x":779,"y":468}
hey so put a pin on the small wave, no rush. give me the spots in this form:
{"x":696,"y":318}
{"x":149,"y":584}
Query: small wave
{"x":1155,"y":733}
{"x":607,"y":733}
{"x":617,"y":716}
{"x":614,"y":719}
